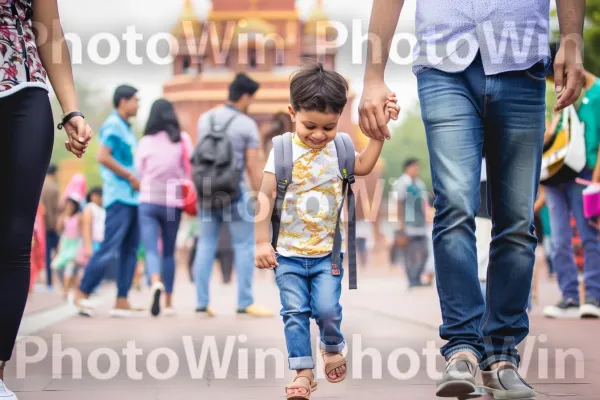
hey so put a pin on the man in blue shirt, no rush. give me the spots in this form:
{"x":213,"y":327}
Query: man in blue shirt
{"x":120,"y":198}
{"x":480,"y":68}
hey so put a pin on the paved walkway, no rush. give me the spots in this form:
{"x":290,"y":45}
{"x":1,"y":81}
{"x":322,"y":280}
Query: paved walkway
{"x":391,"y":335}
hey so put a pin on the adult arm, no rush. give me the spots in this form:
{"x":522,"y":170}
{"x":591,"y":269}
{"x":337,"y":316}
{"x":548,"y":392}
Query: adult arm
{"x":568,"y":64}
{"x":55,"y":57}
{"x":384,"y":18}
{"x":87,"y":222}
{"x":254,"y":157}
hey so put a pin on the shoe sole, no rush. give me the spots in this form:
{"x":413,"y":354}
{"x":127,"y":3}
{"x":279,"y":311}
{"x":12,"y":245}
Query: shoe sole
{"x":507,"y":395}
{"x":156,"y":302}
{"x":589,"y":312}
{"x":461,"y":389}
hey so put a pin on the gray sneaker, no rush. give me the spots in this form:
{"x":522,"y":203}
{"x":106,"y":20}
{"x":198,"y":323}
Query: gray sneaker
{"x":458,"y":379}
{"x":591,"y":308}
{"x":505,"y":383}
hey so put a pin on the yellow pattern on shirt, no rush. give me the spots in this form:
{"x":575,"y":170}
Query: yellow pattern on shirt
{"x":310,"y":209}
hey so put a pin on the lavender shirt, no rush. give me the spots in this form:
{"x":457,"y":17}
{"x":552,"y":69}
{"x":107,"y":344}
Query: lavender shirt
{"x":159,"y":164}
{"x":510,"y":35}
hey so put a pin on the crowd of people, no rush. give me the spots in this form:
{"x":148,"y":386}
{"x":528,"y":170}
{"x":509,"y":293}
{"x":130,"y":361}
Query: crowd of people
{"x":494,"y":191}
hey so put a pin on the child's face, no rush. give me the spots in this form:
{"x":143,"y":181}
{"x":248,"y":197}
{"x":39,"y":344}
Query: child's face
{"x":70,"y":208}
{"x":315,"y":128}
{"x":97,"y":199}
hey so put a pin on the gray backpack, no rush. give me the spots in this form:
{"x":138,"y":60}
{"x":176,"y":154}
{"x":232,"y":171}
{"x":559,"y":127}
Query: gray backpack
{"x":216,"y":175}
{"x":282,"y":149}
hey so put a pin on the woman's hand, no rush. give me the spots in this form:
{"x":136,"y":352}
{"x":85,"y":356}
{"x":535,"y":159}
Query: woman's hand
{"x":79,"y":135}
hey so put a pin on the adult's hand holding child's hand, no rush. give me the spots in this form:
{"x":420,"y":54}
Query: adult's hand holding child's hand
{"x":265,"y":256}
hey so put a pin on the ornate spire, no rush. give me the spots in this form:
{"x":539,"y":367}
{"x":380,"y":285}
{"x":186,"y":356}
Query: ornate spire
{"x":316,"y":16}
{"x":188,"y":16}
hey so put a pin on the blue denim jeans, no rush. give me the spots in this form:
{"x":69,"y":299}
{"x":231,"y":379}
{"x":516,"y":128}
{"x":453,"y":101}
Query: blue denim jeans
{"x":120,"y":245}
{"x":468,"y":115}
{"x":155,"y":220}
{"x":240,"y":221}
{"x":308,"y":289}
{"x":563,"y":201}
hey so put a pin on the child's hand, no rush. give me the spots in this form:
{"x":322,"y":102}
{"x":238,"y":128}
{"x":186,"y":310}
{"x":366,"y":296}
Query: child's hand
{"x":265,"y":256}
{"x":392,"y":109}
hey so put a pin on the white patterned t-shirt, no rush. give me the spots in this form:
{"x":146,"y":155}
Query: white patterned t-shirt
{"x":312,"y":202}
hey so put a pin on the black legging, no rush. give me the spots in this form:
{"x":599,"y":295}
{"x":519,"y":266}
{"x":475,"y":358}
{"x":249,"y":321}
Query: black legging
{"x":26,"y":139}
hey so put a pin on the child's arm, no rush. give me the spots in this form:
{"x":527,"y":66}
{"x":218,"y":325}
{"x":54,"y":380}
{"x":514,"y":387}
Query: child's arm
{"x":60,"y":223}
{"x":265,"y":254}
{"x":365,"y":161}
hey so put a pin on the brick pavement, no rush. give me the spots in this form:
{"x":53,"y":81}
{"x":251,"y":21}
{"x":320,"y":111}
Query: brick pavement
{"x":381,"y":318}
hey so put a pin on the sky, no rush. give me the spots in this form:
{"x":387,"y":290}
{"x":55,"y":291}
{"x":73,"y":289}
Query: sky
{"x":113,"y":17}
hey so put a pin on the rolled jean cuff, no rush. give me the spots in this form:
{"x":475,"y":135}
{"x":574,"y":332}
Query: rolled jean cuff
{"x":332,"y":348}
{"x":485,"y":364}
{"x":296,"y":363}
{"x":459,"y":349}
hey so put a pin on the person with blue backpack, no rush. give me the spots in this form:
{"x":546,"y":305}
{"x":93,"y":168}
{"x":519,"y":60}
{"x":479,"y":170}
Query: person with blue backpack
{"x":307,"y":178}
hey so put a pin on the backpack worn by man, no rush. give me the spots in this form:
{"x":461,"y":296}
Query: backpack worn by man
{"x":215,"y":173}
{"x":282,"y":148}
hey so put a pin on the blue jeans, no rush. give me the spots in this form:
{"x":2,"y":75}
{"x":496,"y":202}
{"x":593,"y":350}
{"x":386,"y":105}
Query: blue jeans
{"x":308,"y":289}
{"x":240,"y":221}
{"x":51,"y":244}
{"x":155,"y":220}
{"x":468,"y":115}
{"x":121,"y":241}
{"x":563,"y":201}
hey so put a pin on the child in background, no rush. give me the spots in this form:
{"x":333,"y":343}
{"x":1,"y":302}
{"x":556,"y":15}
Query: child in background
{"x":302,"y":262}
{"x":92,"y":232}
{"x":68,"y":226}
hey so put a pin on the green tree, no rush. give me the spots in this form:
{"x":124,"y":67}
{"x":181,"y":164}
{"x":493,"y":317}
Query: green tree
{"x":408,"y":141}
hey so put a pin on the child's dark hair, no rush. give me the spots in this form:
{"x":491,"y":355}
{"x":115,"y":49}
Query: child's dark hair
{"x":76,"y":205}
{"x":410,"y":162}
{"x":95,"y":190}
{"x":316,"y":89}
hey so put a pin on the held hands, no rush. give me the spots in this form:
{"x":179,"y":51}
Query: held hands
{"x":265,"y":256}
{"x":372,"y":110}
{"x":79,"y":134}
{"x":392,"y":109}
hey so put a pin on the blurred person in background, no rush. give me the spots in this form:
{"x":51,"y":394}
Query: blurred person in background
{"x":411,"y":235}
{"x":244,"y":136}
{"x":50,"y":200}
{"x":159,"y":162}
{"x":565,"y":199}
{"x":120,"y":199}
{"x":26,"y":144}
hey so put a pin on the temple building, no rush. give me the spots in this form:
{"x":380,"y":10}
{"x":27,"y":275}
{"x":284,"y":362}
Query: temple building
{"x":265,"y":39}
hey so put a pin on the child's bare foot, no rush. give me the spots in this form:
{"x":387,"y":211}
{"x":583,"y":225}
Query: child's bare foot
{"x":335,"y":366}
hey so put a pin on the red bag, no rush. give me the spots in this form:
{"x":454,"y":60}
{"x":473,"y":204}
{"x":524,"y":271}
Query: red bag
{"x":188,"y":191}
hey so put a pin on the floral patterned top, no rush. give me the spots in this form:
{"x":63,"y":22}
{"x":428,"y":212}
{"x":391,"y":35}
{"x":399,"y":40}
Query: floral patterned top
{"x":20,"y":64}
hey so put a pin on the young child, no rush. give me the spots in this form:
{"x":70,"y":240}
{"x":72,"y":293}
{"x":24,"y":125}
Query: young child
{"x":68,"y":225}
{"x":302,"y":261}
{"x":92,"y":232}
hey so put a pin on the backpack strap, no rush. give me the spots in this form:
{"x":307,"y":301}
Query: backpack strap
{"x":214,"y":128}
{"x":284,"y":162}
{"x":346,"y":158}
